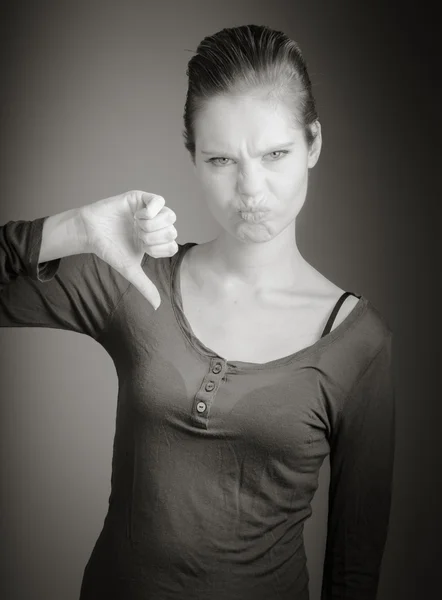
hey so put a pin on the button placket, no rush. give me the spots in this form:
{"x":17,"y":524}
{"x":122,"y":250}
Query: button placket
{"x":206,"y":394}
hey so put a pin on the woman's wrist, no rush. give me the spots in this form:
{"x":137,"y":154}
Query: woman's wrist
{"x":63,"y":235}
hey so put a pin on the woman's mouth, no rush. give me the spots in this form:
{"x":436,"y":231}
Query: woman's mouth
{"x":253,"y":216}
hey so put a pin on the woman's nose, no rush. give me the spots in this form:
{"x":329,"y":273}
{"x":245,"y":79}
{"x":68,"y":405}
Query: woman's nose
{"x":249,"y":183}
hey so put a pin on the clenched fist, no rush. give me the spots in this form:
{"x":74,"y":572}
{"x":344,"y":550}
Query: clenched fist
{"x":121,"y":229}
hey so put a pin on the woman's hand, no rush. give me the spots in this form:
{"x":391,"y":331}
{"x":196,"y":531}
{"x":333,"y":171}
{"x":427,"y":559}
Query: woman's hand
{"x":121,"y":229}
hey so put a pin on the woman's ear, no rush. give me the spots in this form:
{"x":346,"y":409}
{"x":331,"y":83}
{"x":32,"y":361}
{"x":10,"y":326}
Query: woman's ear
{"x":315,"y":148}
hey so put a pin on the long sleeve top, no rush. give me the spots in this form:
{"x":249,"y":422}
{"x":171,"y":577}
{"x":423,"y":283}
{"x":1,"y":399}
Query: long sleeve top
{"x":215,"y":462}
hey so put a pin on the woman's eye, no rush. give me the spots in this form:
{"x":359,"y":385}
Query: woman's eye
{"x":278,"y":154}
{"x":218,"y":161}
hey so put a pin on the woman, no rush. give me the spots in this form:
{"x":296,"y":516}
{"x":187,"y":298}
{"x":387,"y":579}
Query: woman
{"x":252,"y":371}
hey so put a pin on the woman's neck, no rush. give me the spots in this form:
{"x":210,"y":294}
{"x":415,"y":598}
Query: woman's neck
{"x":250,"y":265}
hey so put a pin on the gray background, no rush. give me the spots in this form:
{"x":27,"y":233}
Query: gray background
{"x":92,"y":95}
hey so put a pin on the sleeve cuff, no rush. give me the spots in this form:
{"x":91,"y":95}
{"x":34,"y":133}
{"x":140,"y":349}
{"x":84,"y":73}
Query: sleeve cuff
{"x":43,"y":271}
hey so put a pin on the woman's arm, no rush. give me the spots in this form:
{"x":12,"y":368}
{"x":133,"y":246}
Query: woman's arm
{"x":70,"y":270}
{"x":361,"y":467}
{"x":61,"y":235}
{"x":46,"y":280}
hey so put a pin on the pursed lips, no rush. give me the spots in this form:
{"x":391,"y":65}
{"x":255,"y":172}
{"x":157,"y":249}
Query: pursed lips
{"x":253,"y":210}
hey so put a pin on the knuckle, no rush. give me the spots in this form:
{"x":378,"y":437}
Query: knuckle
{"x":145,"y":225}
{"x":153,"y":251}
{"x":172,"y":233}
{"x":157,"y":251}
{"x":146,"y":238}
{"x":173,"y":247}
{"x":170,"y":213}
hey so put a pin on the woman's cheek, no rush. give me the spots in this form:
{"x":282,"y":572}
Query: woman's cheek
{"x":221,"y":185}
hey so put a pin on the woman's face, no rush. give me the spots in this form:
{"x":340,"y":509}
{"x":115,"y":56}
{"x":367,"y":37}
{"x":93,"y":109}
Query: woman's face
{"x":250,"y":156}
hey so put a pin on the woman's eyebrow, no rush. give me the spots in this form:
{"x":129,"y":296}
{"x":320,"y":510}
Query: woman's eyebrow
{"x":273,"y":148}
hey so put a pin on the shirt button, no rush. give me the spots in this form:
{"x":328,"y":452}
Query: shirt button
{"x":210,"y":386}
{"x":217,"y":368}
{"x":201,"y":407}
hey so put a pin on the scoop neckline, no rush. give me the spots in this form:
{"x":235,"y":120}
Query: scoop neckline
{"x":177,"y":304}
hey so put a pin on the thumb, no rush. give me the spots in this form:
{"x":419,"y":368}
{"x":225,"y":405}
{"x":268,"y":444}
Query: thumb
{"x":137,"y":277}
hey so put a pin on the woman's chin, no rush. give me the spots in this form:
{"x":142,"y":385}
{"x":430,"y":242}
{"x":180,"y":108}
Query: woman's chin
{"x":253,"y":232}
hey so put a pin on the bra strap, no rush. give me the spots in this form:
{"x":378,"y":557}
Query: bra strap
{"x":335,"y":311}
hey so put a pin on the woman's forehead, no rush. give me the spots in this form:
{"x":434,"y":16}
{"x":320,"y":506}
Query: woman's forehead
{"x":228,"y":120}
{"x":241,"y":103}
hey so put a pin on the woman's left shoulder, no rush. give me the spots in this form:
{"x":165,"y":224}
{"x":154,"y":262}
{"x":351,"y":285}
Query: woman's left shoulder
{"x":377,"y":319}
